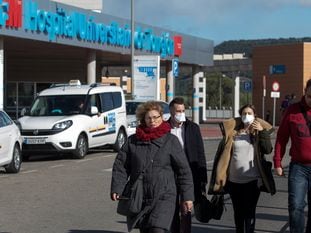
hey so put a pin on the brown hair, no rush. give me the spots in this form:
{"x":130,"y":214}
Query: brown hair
{"x":247,"y":106}
{"x":143,"y":108}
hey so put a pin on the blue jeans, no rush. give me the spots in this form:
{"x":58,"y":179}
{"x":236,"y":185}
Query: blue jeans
{"x":299,"y":184}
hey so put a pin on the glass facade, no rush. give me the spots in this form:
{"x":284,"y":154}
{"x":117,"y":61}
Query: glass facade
{"x":19,"y":95}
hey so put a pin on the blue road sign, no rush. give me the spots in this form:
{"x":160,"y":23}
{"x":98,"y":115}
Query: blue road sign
{"x":247,"y":86}
{"x":175,"y":67}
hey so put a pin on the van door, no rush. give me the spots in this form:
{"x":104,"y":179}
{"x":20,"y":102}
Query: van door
{"x":110,"y":117}
{"x":102,"y":128}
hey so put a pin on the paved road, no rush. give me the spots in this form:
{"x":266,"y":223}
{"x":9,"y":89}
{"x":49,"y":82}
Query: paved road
{"x":61,"y":195}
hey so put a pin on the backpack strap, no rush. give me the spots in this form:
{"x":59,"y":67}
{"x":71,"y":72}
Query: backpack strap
{"x":304,"y":113}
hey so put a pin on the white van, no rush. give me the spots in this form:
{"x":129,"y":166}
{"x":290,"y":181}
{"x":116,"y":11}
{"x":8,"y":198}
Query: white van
{"x":73,"y":118}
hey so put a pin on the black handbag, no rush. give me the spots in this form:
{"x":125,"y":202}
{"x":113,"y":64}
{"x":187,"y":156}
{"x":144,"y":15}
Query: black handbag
{"x":203,"y":209}
{"x":131,"y":200}
{"x":218,"y":205}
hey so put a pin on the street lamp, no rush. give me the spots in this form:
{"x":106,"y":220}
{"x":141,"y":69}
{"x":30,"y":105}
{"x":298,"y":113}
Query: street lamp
{"x":132,"y":47}
{"x":220,"y":92}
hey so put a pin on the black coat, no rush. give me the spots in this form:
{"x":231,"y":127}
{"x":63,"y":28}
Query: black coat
{"x":159,"y":180}
{"x":194,"y":149}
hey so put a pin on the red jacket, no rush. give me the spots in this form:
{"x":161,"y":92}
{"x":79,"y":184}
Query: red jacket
{"x":294,"y":125}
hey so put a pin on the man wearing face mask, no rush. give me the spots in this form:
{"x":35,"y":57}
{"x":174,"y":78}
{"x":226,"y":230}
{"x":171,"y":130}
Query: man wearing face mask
{"x":190,"y":138}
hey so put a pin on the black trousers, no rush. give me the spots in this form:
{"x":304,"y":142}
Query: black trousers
{"x":244,"y":199}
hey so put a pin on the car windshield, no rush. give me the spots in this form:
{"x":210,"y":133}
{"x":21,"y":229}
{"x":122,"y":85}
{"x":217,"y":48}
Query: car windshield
{"x":59,"y":105}
{"x":131,"y":107}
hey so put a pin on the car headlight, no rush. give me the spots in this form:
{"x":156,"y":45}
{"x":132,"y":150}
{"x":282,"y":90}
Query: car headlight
{"x":62,"y":125}
{"x":133,"y":124}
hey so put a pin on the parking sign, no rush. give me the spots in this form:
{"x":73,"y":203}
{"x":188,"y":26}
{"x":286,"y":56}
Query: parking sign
{"x":247,"y":86}
{"x":175,"y":67}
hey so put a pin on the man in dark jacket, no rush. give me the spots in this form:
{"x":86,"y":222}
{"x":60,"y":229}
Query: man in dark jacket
{"x":190,"y":138}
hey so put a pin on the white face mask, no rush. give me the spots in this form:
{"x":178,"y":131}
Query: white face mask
{"x":248,"y":119}
{"x":180,"y":117}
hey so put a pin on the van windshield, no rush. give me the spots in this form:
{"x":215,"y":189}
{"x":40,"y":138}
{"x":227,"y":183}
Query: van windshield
{"x":59,"y":105}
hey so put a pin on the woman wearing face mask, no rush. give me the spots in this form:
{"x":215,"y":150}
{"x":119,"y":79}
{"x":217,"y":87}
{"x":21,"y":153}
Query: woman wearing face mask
{"x":158,"y":155}
{"x":238,"y":168}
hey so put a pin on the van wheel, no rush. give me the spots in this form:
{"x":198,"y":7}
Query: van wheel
{"x":81,"y":147}
{"x":121,"y":139}
{"x":15,"y":165}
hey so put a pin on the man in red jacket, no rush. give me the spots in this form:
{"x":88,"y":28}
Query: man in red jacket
{"x":296,"y":125}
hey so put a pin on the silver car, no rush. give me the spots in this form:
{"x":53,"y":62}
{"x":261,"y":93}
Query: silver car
{"x":131,"y":106}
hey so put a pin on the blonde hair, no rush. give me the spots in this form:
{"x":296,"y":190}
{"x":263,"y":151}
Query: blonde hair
{"x":143,"y":108}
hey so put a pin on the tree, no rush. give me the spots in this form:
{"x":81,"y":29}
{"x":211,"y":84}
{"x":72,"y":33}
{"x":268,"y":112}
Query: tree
{"x":216,"y":97}
{"x":225,"y":96}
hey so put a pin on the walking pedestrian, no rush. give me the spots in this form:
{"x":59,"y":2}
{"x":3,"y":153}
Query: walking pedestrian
{"x":169,"y":171}
{"x":241,"y":169}
{"x":190,"y":138}
{"x":296,"y":125}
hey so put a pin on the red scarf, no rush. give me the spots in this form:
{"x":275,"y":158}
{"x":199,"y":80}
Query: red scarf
{"x":144,"y":133}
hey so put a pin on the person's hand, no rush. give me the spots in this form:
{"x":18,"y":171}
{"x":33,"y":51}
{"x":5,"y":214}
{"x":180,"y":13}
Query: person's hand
{"x":256,"y":125}
{"x":114,"y":196}
{"x":187,"y":206}
{"x":279,"y":171}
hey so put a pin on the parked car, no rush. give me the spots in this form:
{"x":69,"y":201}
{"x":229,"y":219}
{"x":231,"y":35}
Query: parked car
{"x":10,"y":144}
{"x":71,"y":118}
{"x":131,"y":106}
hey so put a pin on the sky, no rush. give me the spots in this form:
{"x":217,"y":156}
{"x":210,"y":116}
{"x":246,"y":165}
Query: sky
{"x":221,"y":20}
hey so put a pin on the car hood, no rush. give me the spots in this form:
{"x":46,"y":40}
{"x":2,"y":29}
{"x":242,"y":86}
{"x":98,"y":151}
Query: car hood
{"x":40,"y":122}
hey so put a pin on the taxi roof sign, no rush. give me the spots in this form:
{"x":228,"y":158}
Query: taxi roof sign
{"x":74,"y":82}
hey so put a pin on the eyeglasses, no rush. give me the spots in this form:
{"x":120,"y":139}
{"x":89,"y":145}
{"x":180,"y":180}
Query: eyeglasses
{"x":153,"y":118}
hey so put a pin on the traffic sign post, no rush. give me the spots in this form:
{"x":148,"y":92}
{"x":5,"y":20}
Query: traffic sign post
{"x":175,"y":67}
{"x":275,"y":94}
{"x":275,"y":86}
{"x":247,"y":86}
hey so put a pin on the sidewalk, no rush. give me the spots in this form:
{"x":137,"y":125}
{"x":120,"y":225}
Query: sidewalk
{"x":210,"y":131}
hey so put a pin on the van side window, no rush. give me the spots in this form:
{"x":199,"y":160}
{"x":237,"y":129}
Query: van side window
{"x":94,"y":100}
{"x":117,"y":99}
{"x":106,"y":101}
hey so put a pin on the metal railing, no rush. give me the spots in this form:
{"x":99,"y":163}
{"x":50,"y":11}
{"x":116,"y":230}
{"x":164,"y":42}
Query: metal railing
{"x":222,"y":113}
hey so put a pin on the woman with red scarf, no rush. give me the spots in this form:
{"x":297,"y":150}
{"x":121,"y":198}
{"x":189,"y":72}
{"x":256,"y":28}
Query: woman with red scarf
{"x":164,"y":171}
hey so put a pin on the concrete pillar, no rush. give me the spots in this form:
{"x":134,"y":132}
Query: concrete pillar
{"x":195,"y":94}
{"x":124,"y":83}
{"x":236,"y":96}
{"x":202,"y":83}
{"x":169,"y":82}
{"x":1,"y":72}
{"x":91,"y":67}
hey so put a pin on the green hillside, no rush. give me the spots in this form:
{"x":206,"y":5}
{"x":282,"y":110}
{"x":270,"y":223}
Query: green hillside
{"x":245,"y":46}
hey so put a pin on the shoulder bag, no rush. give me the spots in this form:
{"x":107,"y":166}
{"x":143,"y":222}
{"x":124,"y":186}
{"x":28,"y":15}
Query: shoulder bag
{"x":131,"y":201}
